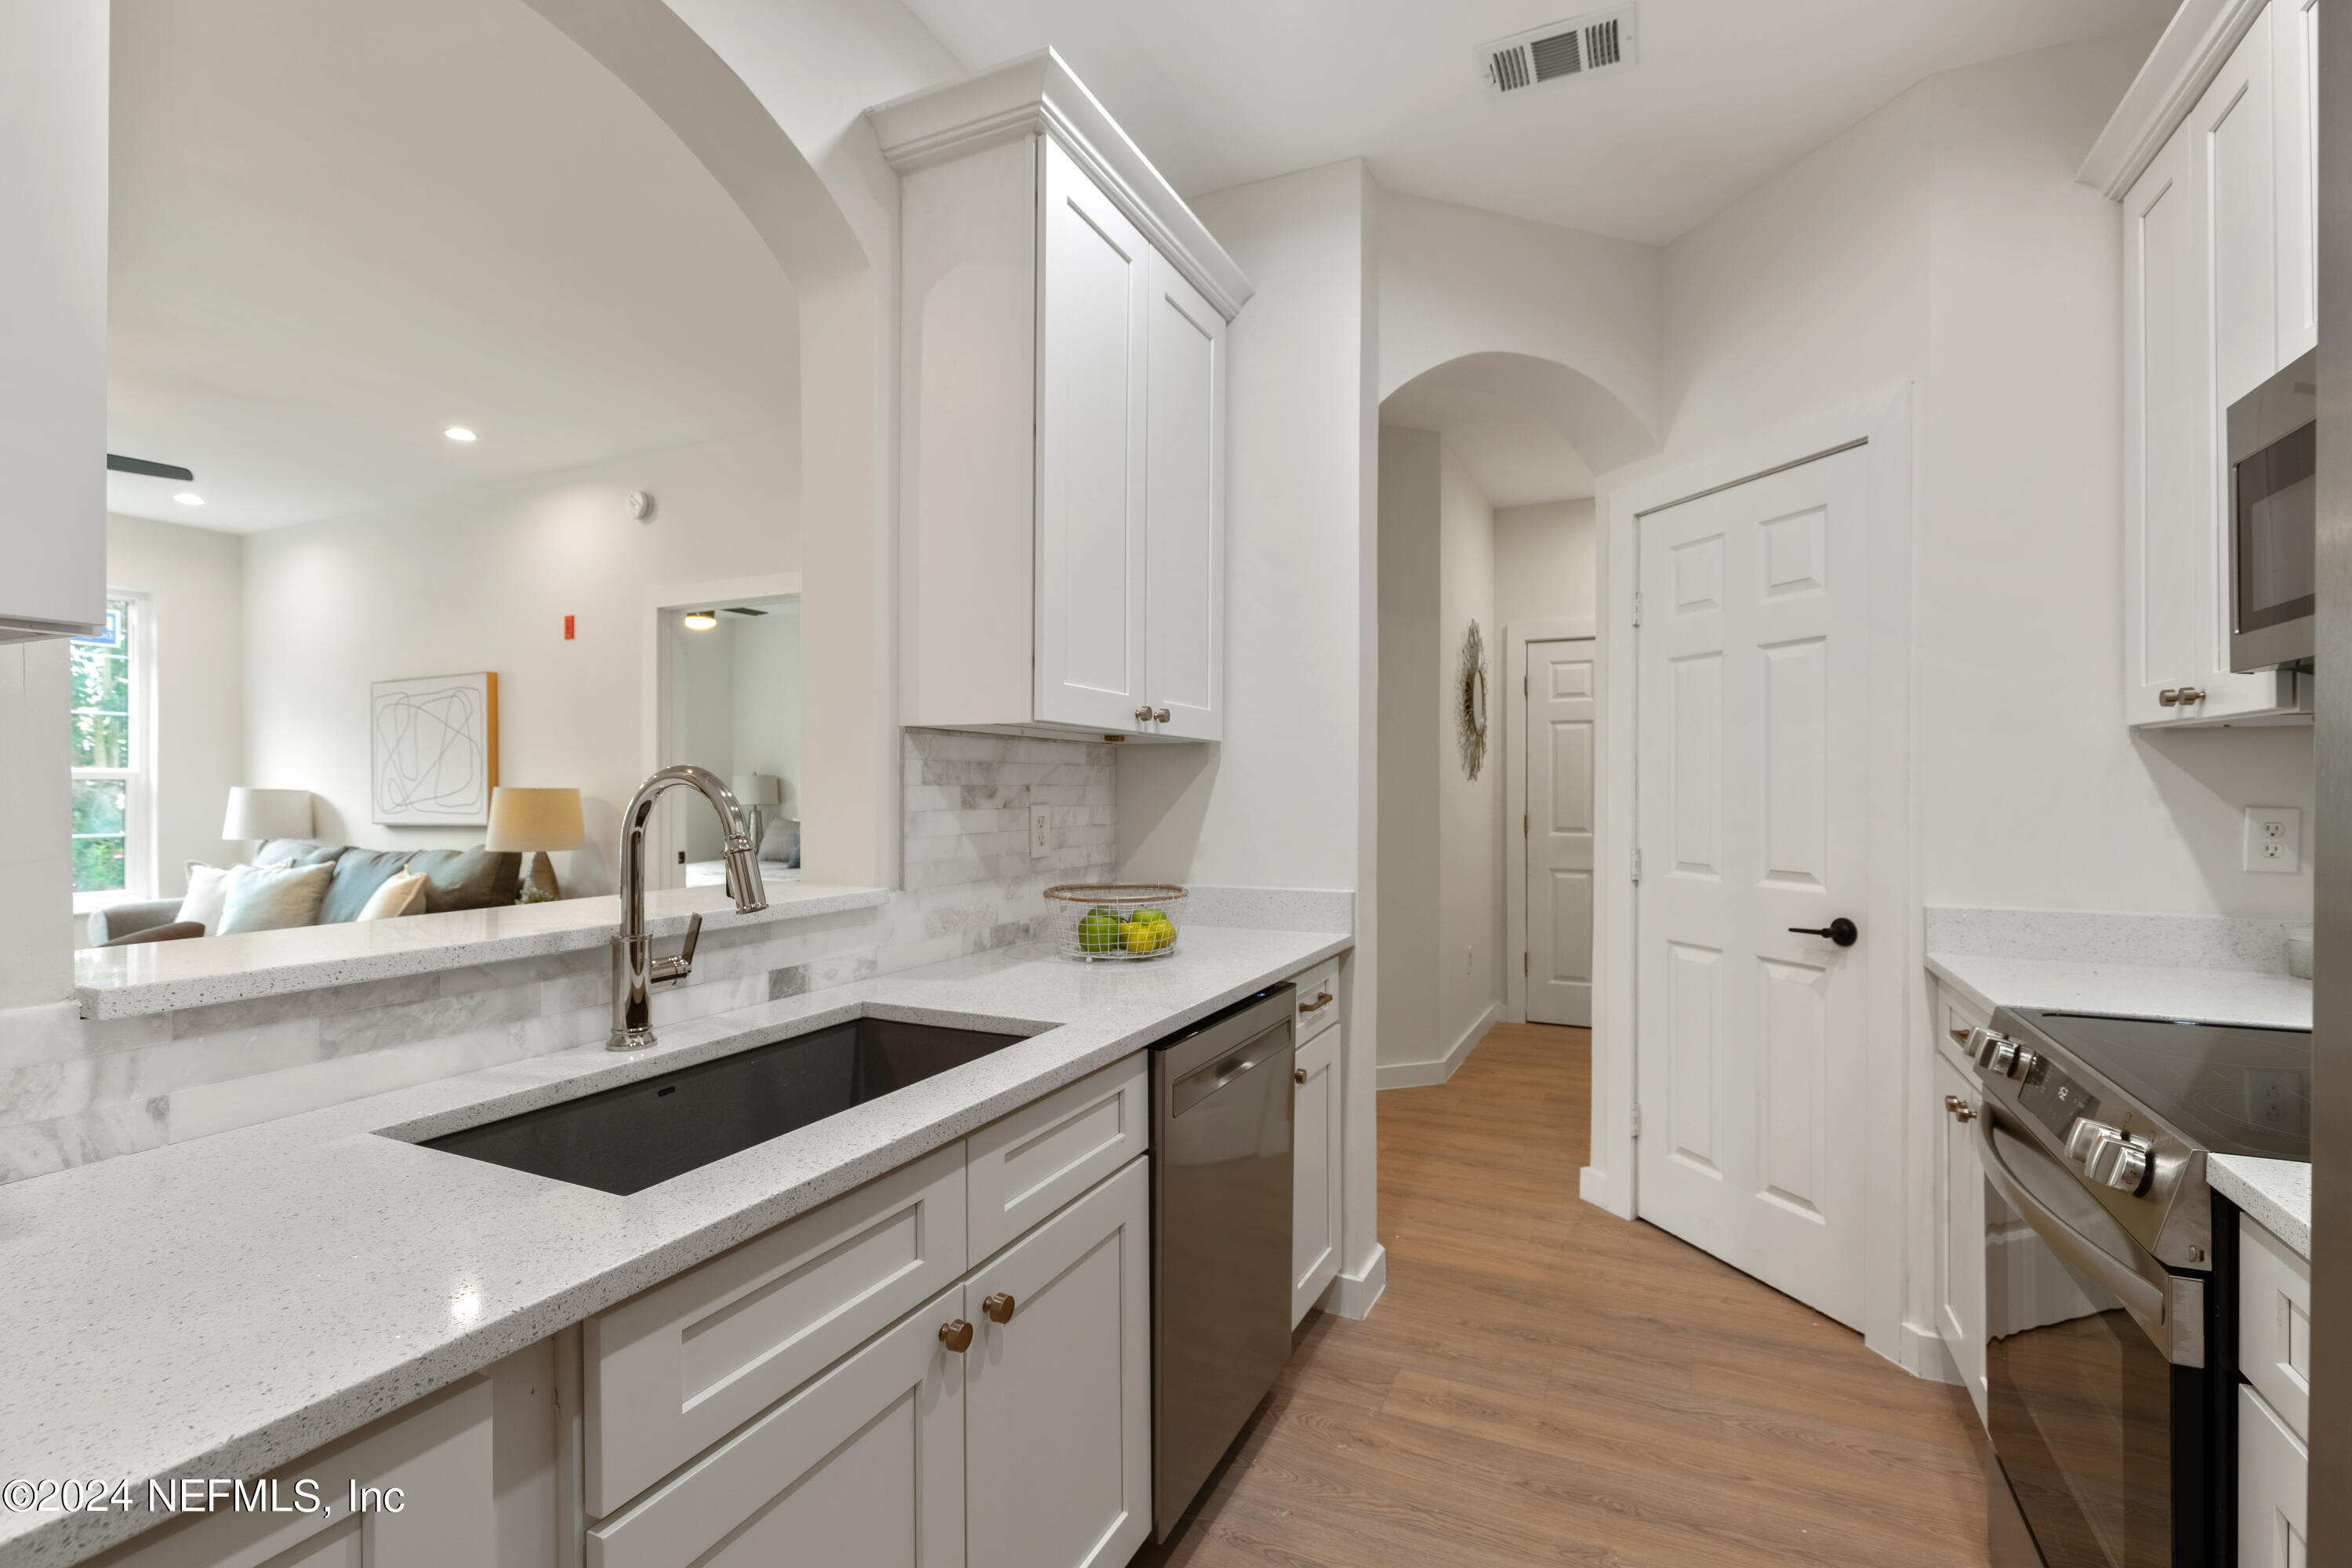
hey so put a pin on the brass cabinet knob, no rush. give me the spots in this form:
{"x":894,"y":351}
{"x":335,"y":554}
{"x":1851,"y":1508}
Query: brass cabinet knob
{"x":1298,"y":1075}
{"x":1951,"y":1102}
{"x":1963,"y":1113}
{"x":1316,"y":1006}
{"x":1143,"y":714}
{"x":999,"y":1308}
{"x":1162,"y":715}
{"x":1960,"y":1037}
{"x":956,"y":1335}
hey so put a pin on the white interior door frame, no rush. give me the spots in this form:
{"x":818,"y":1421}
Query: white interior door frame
{"x":654,"y":741}
{"x":1517,"y":636}
{"x":1897,"y":1006}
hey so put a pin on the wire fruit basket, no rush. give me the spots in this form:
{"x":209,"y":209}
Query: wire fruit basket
{"x":1116,"y":922}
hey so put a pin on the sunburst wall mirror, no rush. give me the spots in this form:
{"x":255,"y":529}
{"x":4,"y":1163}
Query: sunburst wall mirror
{"x":1470,"y":702}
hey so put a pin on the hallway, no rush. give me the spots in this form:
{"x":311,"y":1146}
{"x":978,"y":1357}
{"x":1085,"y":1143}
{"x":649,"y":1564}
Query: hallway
{"x":1543,"y":1382}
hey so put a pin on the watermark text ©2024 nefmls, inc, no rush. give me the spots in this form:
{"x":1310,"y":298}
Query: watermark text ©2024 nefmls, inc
{"x":193,"y":1494}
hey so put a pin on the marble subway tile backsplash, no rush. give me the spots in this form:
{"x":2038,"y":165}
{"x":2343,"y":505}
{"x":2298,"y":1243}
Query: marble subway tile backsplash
{"x":77,"y":1091}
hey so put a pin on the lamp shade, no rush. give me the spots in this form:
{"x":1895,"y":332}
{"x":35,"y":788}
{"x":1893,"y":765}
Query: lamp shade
{"x":758,"y":789}
{"x":267,"y":814}
{"x":528,"y":819}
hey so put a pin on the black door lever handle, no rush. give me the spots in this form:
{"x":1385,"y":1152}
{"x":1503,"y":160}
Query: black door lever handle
{"x":1839,"y":931}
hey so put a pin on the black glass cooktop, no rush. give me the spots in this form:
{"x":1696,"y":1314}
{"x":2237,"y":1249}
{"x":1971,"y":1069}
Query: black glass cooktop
{"x":2231,"y":1088}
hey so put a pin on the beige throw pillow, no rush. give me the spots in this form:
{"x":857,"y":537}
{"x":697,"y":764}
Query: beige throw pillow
{"x":274,"y":898}
{"x":400,"y":895}
{"x":208,"y":896}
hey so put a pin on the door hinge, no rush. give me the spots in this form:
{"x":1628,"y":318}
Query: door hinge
{"x":1637,"y":1121}
{"x":1524,"y":966}
{"x":1523,"y":825}
{"x":1637,"y":865}
{"x":1522,"y":686}
{"x":1637,"y":609}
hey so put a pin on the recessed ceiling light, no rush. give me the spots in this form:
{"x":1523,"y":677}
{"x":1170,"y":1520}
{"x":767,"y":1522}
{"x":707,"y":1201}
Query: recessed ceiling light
{"x":459,"y":433}
{"x":189,"y":498}
{"x":702,"y":620}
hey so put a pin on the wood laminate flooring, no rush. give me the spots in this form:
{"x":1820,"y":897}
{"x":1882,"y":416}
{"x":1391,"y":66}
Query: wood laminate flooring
{"x":1545,"y":1383}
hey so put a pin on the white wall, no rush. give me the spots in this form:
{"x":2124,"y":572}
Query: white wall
{"x":1470,"y":811}
{"x":1944,"y":242}
{"x":483,"y":581}
{"x":1544,"y":563}
{"x":195,"y":578}
{"x":1412,"y":692}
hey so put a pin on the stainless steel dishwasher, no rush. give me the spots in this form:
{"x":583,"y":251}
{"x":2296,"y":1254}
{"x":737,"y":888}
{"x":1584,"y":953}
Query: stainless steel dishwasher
{"x":1222,"y":1112}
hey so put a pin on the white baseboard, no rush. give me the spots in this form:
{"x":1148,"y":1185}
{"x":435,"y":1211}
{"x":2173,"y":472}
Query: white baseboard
{"x":1353,"y":1295}
{"x":1425,"y":1075}
{"x":1593,"y":1185}
{"x":1924,"y":1355}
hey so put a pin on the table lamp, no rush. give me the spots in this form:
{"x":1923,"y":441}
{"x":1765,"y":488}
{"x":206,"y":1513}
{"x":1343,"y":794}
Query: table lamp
{"x":262,"y":814}
{"x":753,"y":792}
{"x":533,"y":822}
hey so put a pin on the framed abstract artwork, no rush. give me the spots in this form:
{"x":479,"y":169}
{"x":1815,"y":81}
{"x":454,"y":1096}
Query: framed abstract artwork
{"x":434,"y":749}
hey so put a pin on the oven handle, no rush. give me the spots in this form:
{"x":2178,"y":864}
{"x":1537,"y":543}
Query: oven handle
{"x":2143,"y":1285}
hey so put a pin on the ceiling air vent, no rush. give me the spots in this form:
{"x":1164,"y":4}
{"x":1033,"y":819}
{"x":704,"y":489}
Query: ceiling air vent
{"x":1578,"y":46}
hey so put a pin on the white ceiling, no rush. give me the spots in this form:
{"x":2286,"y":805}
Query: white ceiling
{"x":1514,"y":458}
{"x":1725,"y":93}
{"x":342,"y":226}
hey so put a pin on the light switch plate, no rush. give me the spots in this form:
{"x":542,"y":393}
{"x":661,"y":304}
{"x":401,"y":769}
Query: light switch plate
{"x":1041,"y":832}
{"x":2274,"y":840}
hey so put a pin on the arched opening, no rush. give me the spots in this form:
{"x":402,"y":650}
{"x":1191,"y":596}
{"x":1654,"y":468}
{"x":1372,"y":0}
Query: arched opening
{"x":1489,"y":687}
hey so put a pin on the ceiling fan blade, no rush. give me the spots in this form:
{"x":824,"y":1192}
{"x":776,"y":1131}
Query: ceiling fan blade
{"x":153,"y":471}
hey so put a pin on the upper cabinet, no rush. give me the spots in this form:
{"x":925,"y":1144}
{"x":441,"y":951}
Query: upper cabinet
{"x":1063,"y":320}
{"x":2212,"y":155}
{"x":53,"y":319}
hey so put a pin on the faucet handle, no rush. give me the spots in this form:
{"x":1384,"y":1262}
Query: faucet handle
{"x":670,"y":971}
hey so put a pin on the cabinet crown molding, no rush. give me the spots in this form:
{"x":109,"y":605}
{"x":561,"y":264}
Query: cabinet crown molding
{"x":1038,"y":93}
{"x":2195,"y":45}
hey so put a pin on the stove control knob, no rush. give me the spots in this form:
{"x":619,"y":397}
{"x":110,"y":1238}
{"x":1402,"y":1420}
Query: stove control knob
{"x":2022,"y":1064}
{"x":2119,"y":1163}
{"x":2087,"y":1133}
{"x":1998,"y":1055}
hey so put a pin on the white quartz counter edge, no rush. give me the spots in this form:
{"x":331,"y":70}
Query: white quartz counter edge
{"x":2276,"y":1192}
{"x":164,"y":976}
{"x":2217,"y":995}
{"x":220,"y":1307}
{"x":2275,"y":1195}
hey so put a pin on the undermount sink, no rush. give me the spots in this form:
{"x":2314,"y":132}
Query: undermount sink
{"x":625,"y":1140}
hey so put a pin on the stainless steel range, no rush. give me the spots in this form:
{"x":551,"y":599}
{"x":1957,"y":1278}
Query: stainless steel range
{"x":2111,"y":1362}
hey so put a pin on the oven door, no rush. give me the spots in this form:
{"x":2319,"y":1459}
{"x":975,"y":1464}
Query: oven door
{"x":2093,"y":1365}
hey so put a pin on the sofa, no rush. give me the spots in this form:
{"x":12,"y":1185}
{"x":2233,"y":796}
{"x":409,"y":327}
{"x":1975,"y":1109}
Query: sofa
{"x":453,"y":879}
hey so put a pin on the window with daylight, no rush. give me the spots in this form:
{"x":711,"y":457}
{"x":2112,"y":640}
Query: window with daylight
{"x":111,"y":760}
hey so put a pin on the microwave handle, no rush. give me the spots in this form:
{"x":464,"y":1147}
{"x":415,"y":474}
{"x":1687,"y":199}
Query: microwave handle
{"x":2145,"y":1289}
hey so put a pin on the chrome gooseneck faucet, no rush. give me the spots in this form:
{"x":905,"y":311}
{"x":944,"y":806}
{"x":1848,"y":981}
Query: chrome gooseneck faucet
{"x":636,"y":970}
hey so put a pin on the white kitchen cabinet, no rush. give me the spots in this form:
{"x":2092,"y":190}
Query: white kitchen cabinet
{"x":1314,"y":1179}
{"x":864,"y":1466}
{"x":53,"y":187}
{"x":2216,"y":287}
{"x":423,"y":1473}
{"x":1057,"y":1397}
{"x":2295,"y":98}
{"x":1025,"y":1166}
{"x":2273,"y":1469}
{"x":1063,"y":320}
{"x":1960,"y":1228}
{"x":2274,"y":1324}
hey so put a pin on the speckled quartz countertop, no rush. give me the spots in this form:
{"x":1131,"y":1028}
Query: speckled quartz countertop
{"x":219,"y":1307}
{"x":2276,"y":1192}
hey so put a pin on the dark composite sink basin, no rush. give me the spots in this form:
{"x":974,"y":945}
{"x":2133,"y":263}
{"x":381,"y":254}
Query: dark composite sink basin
{"x":625,"y":1140}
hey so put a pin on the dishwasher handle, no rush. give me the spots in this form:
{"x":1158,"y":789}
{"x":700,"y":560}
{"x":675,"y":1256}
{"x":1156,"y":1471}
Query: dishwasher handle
{"x":1226,"y":1070}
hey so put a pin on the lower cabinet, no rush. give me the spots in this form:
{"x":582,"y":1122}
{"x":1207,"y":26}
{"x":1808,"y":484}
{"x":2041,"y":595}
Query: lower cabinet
{"x":1315,"y":1173}
{"x":1058,"y":1388}
{"x":2272,"y":1465}
{"x":1960,"y":1225}
{"x":422,"y":1475}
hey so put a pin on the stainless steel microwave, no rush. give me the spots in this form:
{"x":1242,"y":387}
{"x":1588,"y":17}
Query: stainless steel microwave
{"x":2273,"y":463}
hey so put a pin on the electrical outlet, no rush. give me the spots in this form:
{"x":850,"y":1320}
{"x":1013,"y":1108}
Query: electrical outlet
{"x":1041,"y":832}
{"x":2274,"y":840}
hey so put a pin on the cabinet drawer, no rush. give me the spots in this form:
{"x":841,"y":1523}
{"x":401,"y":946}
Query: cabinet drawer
{"x":672,"y":1371}
{"x":2274,"y":1481}
{"x":1037,"y":1159}
{"x":1953,"y":1014}
{"x":435,"y":1452}
{"x":1318,"y":1001}
{"x":2274,"y":1324}
{"x":864,"y":1466}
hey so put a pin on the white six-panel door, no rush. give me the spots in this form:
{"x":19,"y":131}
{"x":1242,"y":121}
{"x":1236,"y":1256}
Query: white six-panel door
{"x":1751,"y":766}
{"x":1560,"y":702}
{"x":1093,"y":322}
